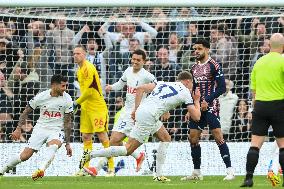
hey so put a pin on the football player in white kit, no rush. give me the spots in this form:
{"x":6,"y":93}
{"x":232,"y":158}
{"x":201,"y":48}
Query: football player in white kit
{"x":164,"y":96}
{"x":132,"y":77}
{"x":56,"y":107}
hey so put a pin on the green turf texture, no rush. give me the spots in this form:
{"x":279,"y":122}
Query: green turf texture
{"x":143,"y":182}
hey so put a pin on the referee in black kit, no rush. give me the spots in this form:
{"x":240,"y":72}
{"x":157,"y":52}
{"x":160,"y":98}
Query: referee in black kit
{"x":267,"y":85}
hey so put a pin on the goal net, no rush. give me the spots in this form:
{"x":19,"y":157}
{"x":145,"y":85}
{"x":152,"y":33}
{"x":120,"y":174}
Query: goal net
{"x":37,"y":42}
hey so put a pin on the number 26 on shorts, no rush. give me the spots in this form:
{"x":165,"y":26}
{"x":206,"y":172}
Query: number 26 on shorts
{"x":99,"y":122}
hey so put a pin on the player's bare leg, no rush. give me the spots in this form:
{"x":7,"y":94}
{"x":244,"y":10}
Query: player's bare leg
{"x":195,"y":154}
{"x":224,"y":152}
{"x":23,"y":156}
{"x":103,"y":137}
{"x":116,"y":138}
{"x":165,"y":139}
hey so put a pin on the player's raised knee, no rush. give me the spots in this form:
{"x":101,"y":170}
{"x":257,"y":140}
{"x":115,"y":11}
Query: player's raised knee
{"x":26,"y":154}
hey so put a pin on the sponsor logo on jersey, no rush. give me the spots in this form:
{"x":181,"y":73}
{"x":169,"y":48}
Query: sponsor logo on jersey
{"x":201,"y":78}
{"x":131,"y":90}
{"x":51,"y":114}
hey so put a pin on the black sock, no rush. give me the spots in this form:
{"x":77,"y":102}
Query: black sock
{"x":196,"y":155}
{"x":224,"y":151}
{"x":252,"y":160}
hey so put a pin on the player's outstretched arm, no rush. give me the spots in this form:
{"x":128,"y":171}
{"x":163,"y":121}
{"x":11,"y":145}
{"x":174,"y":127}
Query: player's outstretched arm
{"x":23,"y":117}
{"x":67,"y":131}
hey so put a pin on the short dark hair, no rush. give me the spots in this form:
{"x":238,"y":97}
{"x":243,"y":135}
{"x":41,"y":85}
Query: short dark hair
{"x":260,"y":23}
{"x":92,"y":39}
{"x":162,"y":47}
{"x":82,"y":47}
{"x":57,"y":78}
{"x":173,"y":33}
{"x":184,"y":75}
{"x":140,"y":52}
{"x":221,"y":27}
{"x":193,"y":22}
{"x":203,"y":42}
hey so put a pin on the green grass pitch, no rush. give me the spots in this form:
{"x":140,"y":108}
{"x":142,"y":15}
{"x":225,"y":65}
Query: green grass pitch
{"x":209,"y":182}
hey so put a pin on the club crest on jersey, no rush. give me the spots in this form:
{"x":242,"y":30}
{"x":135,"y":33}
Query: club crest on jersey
{"x":60,"y":107}
{"x":131,"y":90}
{"x":52,"y":114}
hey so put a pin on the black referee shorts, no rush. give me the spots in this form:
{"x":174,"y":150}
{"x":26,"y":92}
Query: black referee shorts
{"x":266,"y":114}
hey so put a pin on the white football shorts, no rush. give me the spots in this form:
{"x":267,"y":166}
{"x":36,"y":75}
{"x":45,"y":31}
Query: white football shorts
{"x":146,"y":124}
{"x":124,"y":124}
{"x":42,"y":135}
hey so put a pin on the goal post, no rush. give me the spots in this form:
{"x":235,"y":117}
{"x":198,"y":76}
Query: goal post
{"x":145,"y":3}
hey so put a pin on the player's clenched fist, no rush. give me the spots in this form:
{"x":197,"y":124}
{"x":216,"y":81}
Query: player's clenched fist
{"x":204,"y":105}
{"x":68,"y":150}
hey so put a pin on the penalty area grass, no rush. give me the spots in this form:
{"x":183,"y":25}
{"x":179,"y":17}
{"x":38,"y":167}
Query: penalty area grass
{"x":119,"y":182}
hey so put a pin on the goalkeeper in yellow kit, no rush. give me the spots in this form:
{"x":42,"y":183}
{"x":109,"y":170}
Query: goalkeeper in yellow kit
{"x":94,"y":112}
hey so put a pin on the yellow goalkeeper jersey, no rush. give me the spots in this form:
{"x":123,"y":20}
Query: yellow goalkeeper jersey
{"x":91,"y":97}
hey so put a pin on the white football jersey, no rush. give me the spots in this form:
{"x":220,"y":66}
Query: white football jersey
{"x":52,"y":109}
{"x":132,"y":81}
{"x":165,"y":97}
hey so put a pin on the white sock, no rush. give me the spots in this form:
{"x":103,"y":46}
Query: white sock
{"x":197,"y":171}
{"x":230,"y":170}
{"x":161,"y":156}
{"x":49,"y":156}
{"x":112,"y":151}
{"x":15,"y":160}
{"x":135,"y":154}
{"x":275,"y":159}
{"x":102,"y":162}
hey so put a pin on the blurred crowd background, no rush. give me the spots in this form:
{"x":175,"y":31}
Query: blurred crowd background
{"x":36,"y":43}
